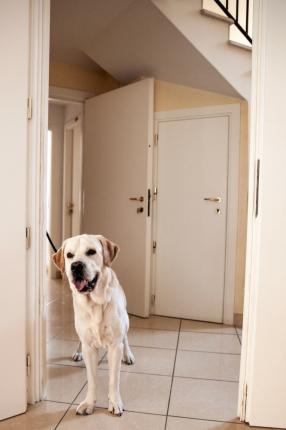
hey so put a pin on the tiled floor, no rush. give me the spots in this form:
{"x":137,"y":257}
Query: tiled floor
{"x":185,"y":376}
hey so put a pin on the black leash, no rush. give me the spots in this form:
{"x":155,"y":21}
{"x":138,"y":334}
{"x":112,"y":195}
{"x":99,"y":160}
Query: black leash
{"x":51,"y":242}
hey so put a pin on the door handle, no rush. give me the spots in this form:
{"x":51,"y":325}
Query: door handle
{"x":137,"y":199}
{"x":213,"y":199}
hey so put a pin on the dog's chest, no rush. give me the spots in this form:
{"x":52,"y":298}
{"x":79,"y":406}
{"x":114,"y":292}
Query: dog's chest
{"x":92,"y":327}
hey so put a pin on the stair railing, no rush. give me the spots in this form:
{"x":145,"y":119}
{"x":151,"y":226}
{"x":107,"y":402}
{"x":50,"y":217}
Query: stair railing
{"x":237,"y":19}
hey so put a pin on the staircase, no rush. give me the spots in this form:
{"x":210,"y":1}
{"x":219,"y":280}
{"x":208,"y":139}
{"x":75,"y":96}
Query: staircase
{"x":238,"y":14}
{"x":215,"y":33}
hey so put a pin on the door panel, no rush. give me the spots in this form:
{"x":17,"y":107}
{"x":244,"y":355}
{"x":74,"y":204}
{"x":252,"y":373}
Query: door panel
{"x":72,"y":183}
{"x":14,"y":47}
{"x":117,"y":151}
{"x":191,"y":231}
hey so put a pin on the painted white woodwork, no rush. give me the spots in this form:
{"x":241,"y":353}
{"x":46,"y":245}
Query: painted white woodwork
{"x":14,"y":46}
{"x":117,"y":166}
{"x":197,"y":156}
{"x":191,"y":231}
{"x":72,"y":183}
{"x":263,"y":345}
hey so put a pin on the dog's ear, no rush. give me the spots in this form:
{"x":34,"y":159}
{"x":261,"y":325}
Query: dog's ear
{"x":59,"y":259}
{"x":110,"y":251}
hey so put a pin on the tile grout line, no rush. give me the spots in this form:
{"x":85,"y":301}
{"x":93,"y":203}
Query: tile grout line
{"x":238,"y":336}
{"x":209,"y":419}
{"x":177,"y":376}
{"x":184,"y":331}
{"x":72,"y":403}
{"x":171,"y":386}
{"x":68,"y":409}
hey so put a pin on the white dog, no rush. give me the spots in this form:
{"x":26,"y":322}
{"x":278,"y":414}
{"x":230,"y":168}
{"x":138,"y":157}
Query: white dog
{"x":101,"y":319}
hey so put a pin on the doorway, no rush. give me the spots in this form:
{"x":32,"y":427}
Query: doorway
{"x":106,"y":166}
{"x":195,"y":219}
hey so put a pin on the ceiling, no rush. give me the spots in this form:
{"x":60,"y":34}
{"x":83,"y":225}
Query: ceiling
{"x":129,"y":39}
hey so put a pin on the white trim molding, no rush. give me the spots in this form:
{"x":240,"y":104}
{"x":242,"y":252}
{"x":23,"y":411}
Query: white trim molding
{"x":232,"y":111}
{"x":38,"y":126}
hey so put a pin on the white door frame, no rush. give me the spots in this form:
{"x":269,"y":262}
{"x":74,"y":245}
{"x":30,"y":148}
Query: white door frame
{"x":253,"y":221}
{"x":36,"y":184}
{"x":233,"y":113}
{"x":68,"y":127}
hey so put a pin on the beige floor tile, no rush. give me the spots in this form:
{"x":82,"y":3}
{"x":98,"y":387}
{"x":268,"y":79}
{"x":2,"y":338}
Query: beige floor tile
{"x":64,"y":382}
{"x":140,"y":392}
{"x":155,"y":322}
{"x":175,"y":423}
{"x":149,"y":360}
{"x":102,"y":420}
{"x":205,"y":327}
{"x":65,"y":332}
{"x":153,"y":338}
{"x":61,"y":351}
{"x":209,"y":342}
{"x":207,"y":365}
{"x":41,"y":416}
{"x":201,"y":399}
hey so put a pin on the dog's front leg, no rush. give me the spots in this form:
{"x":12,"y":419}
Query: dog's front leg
{"x":115,"y":352}
{"x":90,"y":358}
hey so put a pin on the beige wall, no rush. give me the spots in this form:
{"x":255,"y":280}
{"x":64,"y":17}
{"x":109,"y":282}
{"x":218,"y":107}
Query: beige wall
{"x":81,"y":78}
{"x":170,"y":96}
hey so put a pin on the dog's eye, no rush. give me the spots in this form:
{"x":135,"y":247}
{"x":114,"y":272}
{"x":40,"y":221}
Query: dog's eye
{"x":91,"y":252}
{"x":70,"y":255}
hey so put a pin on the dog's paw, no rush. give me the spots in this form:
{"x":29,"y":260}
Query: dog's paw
{"x":116,"y":407}
{"x":129,"y":358}
{"x":77,"y":356}
{"x":85,"y":408}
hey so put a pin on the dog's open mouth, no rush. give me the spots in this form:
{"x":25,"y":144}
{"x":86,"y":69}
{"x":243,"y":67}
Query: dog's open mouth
{"x":84,"y":286}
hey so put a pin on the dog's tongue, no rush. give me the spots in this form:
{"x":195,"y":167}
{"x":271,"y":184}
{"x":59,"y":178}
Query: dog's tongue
{"x":80,"y":284}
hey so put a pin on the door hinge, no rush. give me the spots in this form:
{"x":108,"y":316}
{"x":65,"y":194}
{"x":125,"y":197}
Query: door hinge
{"x":28,"y":237}
{"x":153,"y":298}
{"x":28,"y":364}
{"x":244,"y":402}
{"x":155,"y":193}
{"x":156,"y":138}
{"x":29,"y":108}
{"x":257,"y":188}
{"x":154,"y":246}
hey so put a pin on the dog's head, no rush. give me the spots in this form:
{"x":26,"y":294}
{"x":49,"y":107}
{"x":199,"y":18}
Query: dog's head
{"x":83,"y":259}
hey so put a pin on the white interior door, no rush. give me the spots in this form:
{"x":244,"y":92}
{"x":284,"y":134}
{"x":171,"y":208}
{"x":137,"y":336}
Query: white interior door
{"x":117,"y":150}
{"x":192,"y":166}
{"x":72,"y":184}
{"x":14,"y":46}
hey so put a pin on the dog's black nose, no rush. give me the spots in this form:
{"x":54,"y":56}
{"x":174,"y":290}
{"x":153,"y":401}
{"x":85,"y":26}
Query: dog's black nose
{"x":77,"y":266}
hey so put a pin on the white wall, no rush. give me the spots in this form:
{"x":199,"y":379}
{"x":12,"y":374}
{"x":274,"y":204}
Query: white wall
{"x":266,"y":375}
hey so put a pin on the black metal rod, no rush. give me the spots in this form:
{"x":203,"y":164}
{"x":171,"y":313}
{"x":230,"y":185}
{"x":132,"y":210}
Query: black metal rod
{"x":247,"y":16}
{"x":237,"y":10}
{"x":51,"y":242}
{"x":226,"y":4}
{"x":236,"y":23}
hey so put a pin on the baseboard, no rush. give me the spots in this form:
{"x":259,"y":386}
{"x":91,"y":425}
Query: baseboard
{"x":237,"y":320}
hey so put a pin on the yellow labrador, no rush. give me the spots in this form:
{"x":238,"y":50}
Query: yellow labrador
{"x":101,"y":319}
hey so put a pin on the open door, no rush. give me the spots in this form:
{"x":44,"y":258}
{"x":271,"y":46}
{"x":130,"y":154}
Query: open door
{"x":117,"y":174}
{"x":72,"y":178}
{"x":13,"y":178}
